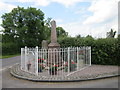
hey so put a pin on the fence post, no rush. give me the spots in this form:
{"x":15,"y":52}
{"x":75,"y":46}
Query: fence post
{"x":36,"y":60}
{"x":90,"y":55}
{"x":22,"y":58}
{"x":25,"y":58}
{"x":77,"y":59}
{"x":68,"y":60}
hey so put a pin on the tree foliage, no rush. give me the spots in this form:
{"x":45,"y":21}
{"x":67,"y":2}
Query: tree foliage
{"x":111,"y":34}
{"x":47,"y":27}
{"x":23,"y":26}
{"x":61,"y":32}
{"x":105,"y":51}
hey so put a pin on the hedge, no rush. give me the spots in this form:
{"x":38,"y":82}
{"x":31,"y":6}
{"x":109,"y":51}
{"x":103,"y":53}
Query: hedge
{"x":104,"y":51}
{"x":10,"y":48}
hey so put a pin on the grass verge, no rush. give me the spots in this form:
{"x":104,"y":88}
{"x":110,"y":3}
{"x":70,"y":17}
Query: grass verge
{"x":8,"y":56}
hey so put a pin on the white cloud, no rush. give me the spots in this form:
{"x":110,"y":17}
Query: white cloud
{"x":81,"y":11}
{"x":96,"y":24}
{"x":102,"y":11}
{"x":75,"y":28}
{"x":4,"y":7}
{"x":105,"y":17}
{"x":97,"y":31}
{"x":23,"y":1}
{"x":42,"y":2}
{"x":67,"y":3}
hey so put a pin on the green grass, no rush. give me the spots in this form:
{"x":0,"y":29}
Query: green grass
{"x":8,"y":56}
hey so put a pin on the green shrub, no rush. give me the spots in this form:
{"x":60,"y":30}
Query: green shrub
{"x":10,"y":48}
{"x":66,"y":41}
{"x":105,"y":51}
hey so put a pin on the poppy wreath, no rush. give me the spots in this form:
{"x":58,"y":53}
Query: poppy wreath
{"x":53,"y":70}
{"x":40,"y":60}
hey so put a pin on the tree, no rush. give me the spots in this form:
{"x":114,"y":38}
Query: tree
{"x":61,"y":32}
{"x":78,"y":36}
{"x":118,"y":48}
{"x":24,"y":26}
{"x":0,"y":37}
{"x":47,"y":22}
{"x":47,"y":27}
{"x":111,"y":34}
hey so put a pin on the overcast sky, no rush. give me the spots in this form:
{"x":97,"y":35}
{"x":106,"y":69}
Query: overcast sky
{"x":84,"y":17}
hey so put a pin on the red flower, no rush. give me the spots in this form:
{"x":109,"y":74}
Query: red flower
{"x":42,"y":59}
{"x":73,"y":62}
{"x":56,"y":65}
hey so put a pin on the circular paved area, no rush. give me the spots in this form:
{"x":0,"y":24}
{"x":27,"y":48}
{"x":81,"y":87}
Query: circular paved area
{"x":89,"y":73}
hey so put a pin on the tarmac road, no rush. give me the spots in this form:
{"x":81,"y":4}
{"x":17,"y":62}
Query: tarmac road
{"x":10,"y":61}
{"x":9,"y":81}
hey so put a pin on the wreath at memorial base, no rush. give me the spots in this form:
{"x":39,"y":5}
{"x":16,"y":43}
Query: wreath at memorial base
{"x":53,"y":70}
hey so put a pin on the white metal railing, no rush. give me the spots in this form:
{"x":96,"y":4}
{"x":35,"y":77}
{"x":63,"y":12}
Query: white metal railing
{"x":57,"y":62}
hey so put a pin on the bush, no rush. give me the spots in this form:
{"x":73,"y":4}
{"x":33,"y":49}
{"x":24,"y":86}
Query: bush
{"x":10,"y":48}
{"x":66,"y":41}
{"x":105,"y":51}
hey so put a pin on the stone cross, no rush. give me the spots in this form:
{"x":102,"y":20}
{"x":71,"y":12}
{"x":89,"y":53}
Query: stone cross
{"x":54,"y":43}
{"x":53,"y":32}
